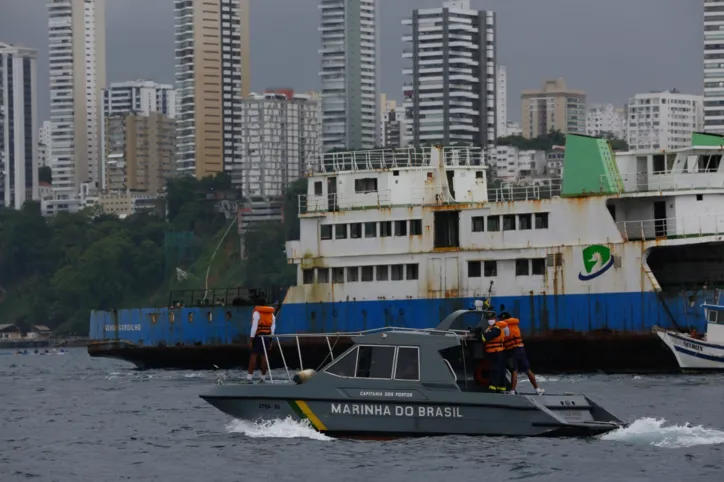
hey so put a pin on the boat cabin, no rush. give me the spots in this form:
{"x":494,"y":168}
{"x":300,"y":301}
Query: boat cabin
{"x":714,"y":323}
{"x":443,"y":358}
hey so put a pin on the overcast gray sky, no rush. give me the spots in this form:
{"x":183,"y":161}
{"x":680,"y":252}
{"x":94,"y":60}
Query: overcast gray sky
{"x":612,"y":49}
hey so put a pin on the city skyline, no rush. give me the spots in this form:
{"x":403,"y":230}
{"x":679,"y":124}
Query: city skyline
{"x":606,"y":66}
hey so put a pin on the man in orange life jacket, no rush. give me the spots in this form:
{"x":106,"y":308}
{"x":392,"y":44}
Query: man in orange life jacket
{"x":494,"y":338}
{"x":263,"y":322}
{"x":517,"y":360}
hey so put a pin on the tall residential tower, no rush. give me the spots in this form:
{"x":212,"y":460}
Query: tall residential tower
{"x":77,"y":75}
{"x":349,"y":73}
{"x":18,"y":125}
{"x":212,"y":65}
{"x":450,"y":94}
{"x":714,"y":66}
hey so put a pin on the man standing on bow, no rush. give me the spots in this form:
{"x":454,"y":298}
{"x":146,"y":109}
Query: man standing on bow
{"x":263,"y":324}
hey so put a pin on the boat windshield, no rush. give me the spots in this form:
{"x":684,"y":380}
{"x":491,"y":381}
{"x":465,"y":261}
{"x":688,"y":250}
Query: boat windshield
{"x":381,"y":362}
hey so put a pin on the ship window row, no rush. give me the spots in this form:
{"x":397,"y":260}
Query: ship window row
{"x":378,"y":362}
{"x":373,"y":229}
{"x":355,"y":274}
{"x":523,"y":267}
{"x":510,"y":222}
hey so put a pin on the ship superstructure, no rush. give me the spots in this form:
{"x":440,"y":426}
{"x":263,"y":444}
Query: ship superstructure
{"x":402,"y":237}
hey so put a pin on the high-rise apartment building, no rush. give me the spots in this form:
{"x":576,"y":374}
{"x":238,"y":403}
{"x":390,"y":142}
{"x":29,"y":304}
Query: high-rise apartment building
{"x":212,"y":66}
{"x":450,"y":94}
{"x":554,"y":107}
{"x":139,"y":152}
{"x":606,"y":119}
{"x":663,"y":120}
{"x":280,"y":141}
{"x":77,"y":75}
{"x":18,"y":125}
{"x":392,"y":124}
{"x":501,"y":103}
{"x":714,"y":66}
{"x":139,"y":96}
{"x":349,"y":74}
{"x":44,"y":144}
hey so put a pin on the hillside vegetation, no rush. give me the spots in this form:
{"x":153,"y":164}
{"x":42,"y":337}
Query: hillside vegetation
{"x":54,"y":271}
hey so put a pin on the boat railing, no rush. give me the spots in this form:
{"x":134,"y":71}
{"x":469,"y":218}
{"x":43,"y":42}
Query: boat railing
{"x":337,"y":335}
{"x":542,"y":189}
{"x":672,"y":228}
{"x":654,"y":181}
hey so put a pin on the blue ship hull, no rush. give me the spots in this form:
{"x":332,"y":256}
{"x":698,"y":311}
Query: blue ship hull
{"x":633,"y":313}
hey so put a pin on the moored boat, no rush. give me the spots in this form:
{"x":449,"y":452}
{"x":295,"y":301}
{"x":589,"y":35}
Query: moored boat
{"x":400,"y":382}
{"x":694,"y":352}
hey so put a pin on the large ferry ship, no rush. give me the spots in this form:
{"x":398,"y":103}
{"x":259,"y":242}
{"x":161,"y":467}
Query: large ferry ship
{"x":589,"y":263}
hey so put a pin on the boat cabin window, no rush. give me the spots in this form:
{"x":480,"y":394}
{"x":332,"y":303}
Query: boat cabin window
{"x":408,"y":363}
{"x":366,"y":361}
{"x":375,"y":361}
{"x":713,"y":316}
{"x":345,"y":365}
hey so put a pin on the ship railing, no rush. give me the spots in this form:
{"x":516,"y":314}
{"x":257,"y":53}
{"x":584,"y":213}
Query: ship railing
{"x":224,"y":296}
{"x":672,"y":228}
{"x":653,"y":181}
{"x":337,"y":202}
{"x":337,"y":335}
{"x":542,"y":189}
{"x":398,"y":158}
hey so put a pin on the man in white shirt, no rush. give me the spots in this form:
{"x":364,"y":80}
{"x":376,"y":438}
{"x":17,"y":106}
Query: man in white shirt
{"x":263,"y":325}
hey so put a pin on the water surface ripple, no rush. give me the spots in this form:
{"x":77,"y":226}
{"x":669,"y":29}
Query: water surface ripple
{"x":72,"y":418}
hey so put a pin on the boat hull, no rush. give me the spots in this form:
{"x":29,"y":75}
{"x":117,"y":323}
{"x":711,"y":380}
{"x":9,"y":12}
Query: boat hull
{"x":692,"y":354}
{"x":481,"y":415}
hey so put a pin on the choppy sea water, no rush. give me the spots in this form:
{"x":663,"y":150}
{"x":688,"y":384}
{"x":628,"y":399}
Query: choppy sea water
{"x":73,"y":418}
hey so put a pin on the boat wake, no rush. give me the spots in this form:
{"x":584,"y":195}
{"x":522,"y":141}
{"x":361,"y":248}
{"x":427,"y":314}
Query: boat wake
{"x":652,"y":431}
{"x":287,"y":428}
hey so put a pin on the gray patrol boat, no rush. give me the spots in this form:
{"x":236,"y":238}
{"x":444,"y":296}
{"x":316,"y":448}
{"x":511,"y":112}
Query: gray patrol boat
{"x":402,"y":382}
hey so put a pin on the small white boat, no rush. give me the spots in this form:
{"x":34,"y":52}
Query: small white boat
{"x":696,"y":352}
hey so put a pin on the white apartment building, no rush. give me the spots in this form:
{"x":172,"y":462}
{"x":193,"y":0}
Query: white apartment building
{"x":280,"y":141}
{"x":513,"y":129}
{"x":714,"y":66}
{"x":501,"y":103}
{"x":77,"y":74}
{"x":663,"y":120}
{"x":44,"y":144}
{"x":140,"y":97}
{"x":514,"y":165}
{"x":349,"y":74}
{"x":450,"y":92}
{"x":212,"y":67}
{"x":18,"y":125}
{"x":603,"y":118}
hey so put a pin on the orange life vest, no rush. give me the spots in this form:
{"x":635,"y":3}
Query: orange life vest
{"x":266,"y":319}
{"x":514,"y":340}
{"x":496,"y":344}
